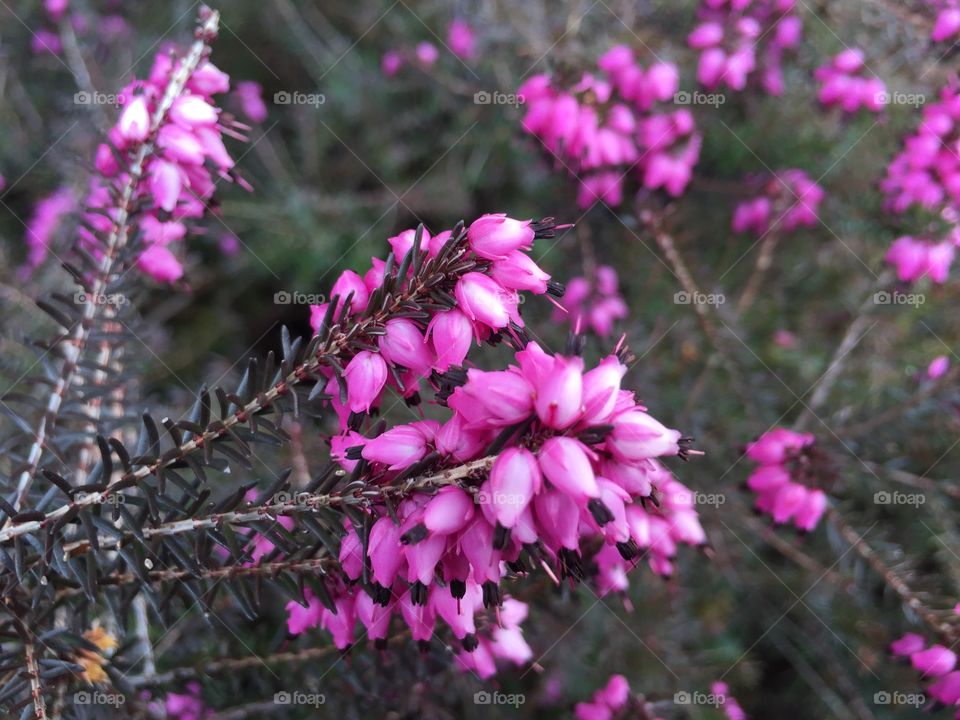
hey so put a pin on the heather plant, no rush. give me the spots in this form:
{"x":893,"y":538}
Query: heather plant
{"x":370,"y":327}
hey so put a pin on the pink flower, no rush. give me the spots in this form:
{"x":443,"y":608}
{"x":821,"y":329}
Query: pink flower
{"x":391,"y":63}
{"x":518,"y":271}
{"x":494,"y":236}
{"x":460,"y":39}
{"x":300,"y":618}
{"x":934,"y":661}
{"x":484,"y":300}
{"x":397,"y":448}
{"x":497,"y":398}
{"x":426,"y":53}
{"x":947,"y":24}
{"x":637,"y":436}
{"x":448,"y":511}
{"x":811,"y":510}
{"x":160,"y":264}
{"x":705,"y":35}
{"x":559,"y":395}
{"x":366,"y":374}
{"x":404,"y":345}
{"x":450,"y":334}
{"x":514,"y":480}
{"x":777,"y":445}
{"x":907,"y":645}
{"x":565,"y":463}
{"x":134,"y":123}
{"x":250,"y":95}
{"x":938,"y":367}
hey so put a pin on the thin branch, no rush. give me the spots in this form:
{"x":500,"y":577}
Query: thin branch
{"x":75,"y":343}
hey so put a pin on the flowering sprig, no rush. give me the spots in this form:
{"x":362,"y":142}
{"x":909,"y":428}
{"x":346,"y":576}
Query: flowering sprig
{"x":845,"y":83}
{"x":577,"y":471}
{"x":593,"y":304}
{"x":783,"y":481}
{"x":605,"y":127}
{"x":740,"y":39}
{"x":787,"y":201}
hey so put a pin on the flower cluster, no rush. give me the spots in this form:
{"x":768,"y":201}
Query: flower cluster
{"x":606,"y":701}
{"x":845,"y":84}
{"x":602,"y":128}
{"x":46,"y":39}
{"x":461,"y":41}
{"x":916,"y":258}
{"x":926,"y":173}
{"x":485,"y":302}
{"x":593,"y":304}
{"x":738,"y":37}
{"x":791,"y":197}
{"x":179,"y":172}
{"x":782,"y":482}
{"x":935,"y":663}
{"x":584,"y":455}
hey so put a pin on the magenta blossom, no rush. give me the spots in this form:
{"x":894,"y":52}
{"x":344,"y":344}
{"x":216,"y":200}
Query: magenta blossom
{"x":461,"y":40}
{"x":593,"y":304}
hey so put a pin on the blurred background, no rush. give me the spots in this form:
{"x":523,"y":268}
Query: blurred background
{"x":348,"y":156}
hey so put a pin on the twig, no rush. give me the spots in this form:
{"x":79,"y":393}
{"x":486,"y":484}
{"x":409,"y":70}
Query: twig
{"x":764,"y":262}
{"x":302,"y":503}
{"x":74,"y":344}
{"x":935,"y":621}
{"x":851,"y":337}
